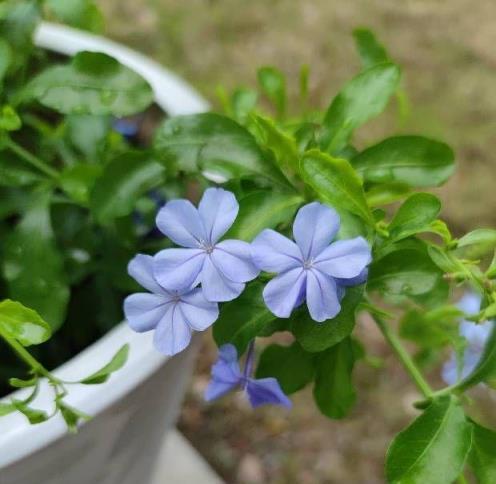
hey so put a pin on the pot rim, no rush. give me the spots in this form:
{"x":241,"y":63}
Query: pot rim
{"x":18,"y":438}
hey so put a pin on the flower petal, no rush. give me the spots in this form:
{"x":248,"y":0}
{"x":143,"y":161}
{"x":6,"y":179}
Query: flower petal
{"x":354,"y":281}
{"x":272,"y":252}
{"x":218,"y":209}
{"x":322,"y":296}
{"x":314,"y":228}
{"x":266,"y":391}
{"x":197,"y":311}
{"x":226,"y":374}
{"x":233,"y":259}
{"x":178,"y":269}
{"x":144,"y":311}
{"x":180,"y":221}
{"x":141,"y":269}
{"x":216,"y":287}
{"x":283,"y":293}
{"x":345,"y":258}
{"x":173,"y":334}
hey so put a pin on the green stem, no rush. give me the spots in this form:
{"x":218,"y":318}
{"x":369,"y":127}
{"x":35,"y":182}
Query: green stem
{"x":35,"y":365}
{"x":31,"y":159}
{"x":404,"y":357}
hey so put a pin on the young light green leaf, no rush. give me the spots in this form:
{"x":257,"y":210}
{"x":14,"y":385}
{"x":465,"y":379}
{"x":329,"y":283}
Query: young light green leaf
{"x":34,"y":415}
{"x":9,"y":119}
{"x":242,"y":103}
{"x":336,"y":183}
{"x":412,"y":160}
{"x":290,"y":365}
{"x":6,"y":408}
{"x":483,"y":454}
{"x":93,"y":83}
{"x":116,"y":363}
{"x":273,"y":85}
{"x":83,"y":14}
{"x":333,"y":391}
{"x":414,"y":216}
{"x":434,"y":448}
{"x":371,"y":51}
{"x":477,"y":243}
{"x":363,"y":98}
{"x":23,"y":324}
{"x":71,"y":416}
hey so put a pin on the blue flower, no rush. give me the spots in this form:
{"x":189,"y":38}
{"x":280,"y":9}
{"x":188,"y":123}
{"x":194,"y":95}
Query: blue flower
{"x":222,"y":268}
{"x":227,"y":376}
{"x":476,"y":336}
{"x":311,"y":269}
{"x":174,"y":315}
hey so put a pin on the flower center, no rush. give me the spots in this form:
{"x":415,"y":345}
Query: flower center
{"x":308,"y":264}
{"x":206,"y":246}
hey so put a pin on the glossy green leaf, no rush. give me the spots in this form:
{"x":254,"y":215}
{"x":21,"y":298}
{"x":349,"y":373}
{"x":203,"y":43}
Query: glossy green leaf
{"x":22,"y":324}
{"x":413,"y":160}
{"x":78,"y":180}
{"x":477,"y":243}
{"x":214,"y":144}
{"x":386,"y":193}
{"x":260,"y":210}
{"x":93,"y":83}
{"x":315,"y":337}
{"x":483,"y":454}
{"x":273,"y":85}
{"x":333,"y":391}
{"x":414,"y":216}
{"x":33,"y":265}
{"x":290,"y":365}
{"x":115,"y":364}
{"x":83,"y":14}
{"x":360,"y":100}
{"x":336,"y":183}
{"x":433,"y":449}
{"x":371,"y":51}
{"x":122,"y":182}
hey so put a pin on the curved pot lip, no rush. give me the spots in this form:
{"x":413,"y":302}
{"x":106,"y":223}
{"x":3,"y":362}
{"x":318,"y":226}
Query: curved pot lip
{"x":19,"y":439}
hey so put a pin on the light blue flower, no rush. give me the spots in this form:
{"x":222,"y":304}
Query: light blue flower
{"x":222,"y":268}
{"x":174,"y":315}
{"x":227,"y":376}
{"x":476,"y":336}
{"x":311,"y":269}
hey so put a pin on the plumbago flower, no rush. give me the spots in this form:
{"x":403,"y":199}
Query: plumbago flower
{"x":222,"y":268}
{"x":476,"y":336}
{"x":311,"y":268}
{"x":227,"y":376}
{"x":174,"y":315}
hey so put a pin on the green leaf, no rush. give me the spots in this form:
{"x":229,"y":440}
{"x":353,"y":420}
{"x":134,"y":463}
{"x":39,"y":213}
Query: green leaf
{"x":116,"y":363}
{"x":83,"y":14}
{"x":336,"y":183}
{"x":9,"y":119}
{"x":34,"y":415}
{"x":414,"y":216}
{"x":245,"y":318}
{"x":333,"y":391}
{"x":386,"y":193}
{"x":93,"y":83}
{"x":18,"y":383}
{"x":483,"y":454}
{"x":477,"y":243}
{"x":363,"y":98}
{"x":314,"y":336}
{"x":273,"y":85}
{"x":260,"y":210}
{"x":13,"y":173}
{"x":290,"y":365}
{"x":371,"y":51}
{"x":6,"y":408}
{"x":122,"y":182}
{"x":433,"y":449}
{"x":33,"y":265}
{"x":412,"y":160}
{"x":78,"y":180}
{"x":88,"y":134}
{"x":242,"y":103}
{"x":23,"y":324}
{"x":214,"y":144}
{"x":71,"y":416}
{"x":5,"y":58}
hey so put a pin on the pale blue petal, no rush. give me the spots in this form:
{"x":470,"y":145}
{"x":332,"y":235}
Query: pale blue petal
{"x":354,"y":281}
{"x":180,"y":221}
{"x":226,"y":374}
{"x":344,"y":259}
{"x":322,"y":296}
{"x":470,"y":303}
{"x":173,"y":334}
{"x":143,"y":311}
{"x":283,"y":293}
{"x":141,"y":269}
{"x":218,"y":209}
{"x":476,"y":334}
{"x":449,"y":372}
{"x":216,"y":287}
{"x":233,"y":258}
{"x":272,"y":252}
{"x":199,"y":313}
{"x":266,"y":391}
{"x":178,"y":269}
{"x":314,"y":228}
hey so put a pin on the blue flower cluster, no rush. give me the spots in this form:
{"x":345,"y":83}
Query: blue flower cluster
{"x":186,"y":283}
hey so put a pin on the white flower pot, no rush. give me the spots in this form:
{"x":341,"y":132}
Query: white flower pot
{"x":135,"y":408}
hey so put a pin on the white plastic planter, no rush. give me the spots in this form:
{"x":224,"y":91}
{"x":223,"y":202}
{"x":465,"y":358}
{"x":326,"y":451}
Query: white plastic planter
{"x":133,"y":410}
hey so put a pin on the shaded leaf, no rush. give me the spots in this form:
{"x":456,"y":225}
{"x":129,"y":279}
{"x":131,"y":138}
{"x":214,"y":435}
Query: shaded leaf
{"x":273,"y":85}
{"x":483,"y":454}
{"x":116,"y":363}
{"x":371,"y":51}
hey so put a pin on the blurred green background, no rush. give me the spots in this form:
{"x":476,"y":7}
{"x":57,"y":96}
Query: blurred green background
{"x":446,"y":50}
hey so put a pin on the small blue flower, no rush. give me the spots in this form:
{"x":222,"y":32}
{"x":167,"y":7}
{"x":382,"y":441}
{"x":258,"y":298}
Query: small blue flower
{"x":476,"y":336}
{"x":222,"y":268}
{"x":227,"y":376}
{"x":311,"y":269}
{"x":174,"y":315}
